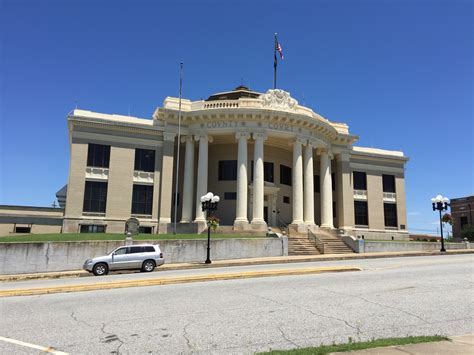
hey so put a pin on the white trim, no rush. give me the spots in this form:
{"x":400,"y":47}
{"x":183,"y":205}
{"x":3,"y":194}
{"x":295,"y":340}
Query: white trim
{"x":118,"y":139}
{"x":381,"y":168}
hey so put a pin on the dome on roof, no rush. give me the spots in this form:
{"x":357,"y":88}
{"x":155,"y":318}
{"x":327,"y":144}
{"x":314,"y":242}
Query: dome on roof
{"x":240,"y":91}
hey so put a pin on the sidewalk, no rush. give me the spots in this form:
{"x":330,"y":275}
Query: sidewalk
{"x":459,"y":345}
{"x":242,"y":262}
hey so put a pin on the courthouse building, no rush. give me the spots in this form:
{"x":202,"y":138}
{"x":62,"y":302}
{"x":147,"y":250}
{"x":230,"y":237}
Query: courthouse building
{"x":272,"y":161}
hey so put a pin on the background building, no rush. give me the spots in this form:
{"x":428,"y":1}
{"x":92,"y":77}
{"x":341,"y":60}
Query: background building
{"x":462,"y":209}
{"x":272,"y":161}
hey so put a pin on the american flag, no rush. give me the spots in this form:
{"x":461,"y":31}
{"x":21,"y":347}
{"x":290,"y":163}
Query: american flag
{"x":278,"y":48}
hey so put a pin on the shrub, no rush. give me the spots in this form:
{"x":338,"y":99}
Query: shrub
{"x":468,"y":232}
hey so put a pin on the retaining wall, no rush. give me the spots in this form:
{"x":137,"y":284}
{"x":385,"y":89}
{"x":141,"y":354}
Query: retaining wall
{"x":17,"y":258}
{"x":373,"y":247}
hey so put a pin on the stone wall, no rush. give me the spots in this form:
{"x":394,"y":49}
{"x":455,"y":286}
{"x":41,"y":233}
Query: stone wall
{"x":16,"y":258}
{"x":373,"y":247}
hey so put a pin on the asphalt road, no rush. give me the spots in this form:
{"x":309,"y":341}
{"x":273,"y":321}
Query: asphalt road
{"x":390,"y":297}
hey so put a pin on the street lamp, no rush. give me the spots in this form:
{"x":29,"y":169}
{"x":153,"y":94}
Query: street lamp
{"x":209,"y":203}
{"x":440,"y":203}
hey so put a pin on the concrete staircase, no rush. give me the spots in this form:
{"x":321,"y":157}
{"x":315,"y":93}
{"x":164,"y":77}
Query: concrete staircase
{"x":301,"y":245}
{"x":332,"y":243}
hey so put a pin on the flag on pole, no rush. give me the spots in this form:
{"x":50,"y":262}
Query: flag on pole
{"x":278,"y":49}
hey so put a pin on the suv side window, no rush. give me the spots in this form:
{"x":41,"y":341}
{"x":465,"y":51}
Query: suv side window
{"x":149,"y":249}
{"x":135,"y":250}
{"x":121,"y":251}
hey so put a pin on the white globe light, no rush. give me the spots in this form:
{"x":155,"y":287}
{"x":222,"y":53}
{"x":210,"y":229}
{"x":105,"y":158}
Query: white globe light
{"x":215,"y":199}
{"x":446,"y":200}
{"x":439,"y":198}
{"x":203,"y":198}
{"x":433,"y":200}
{"x":209,"y":195}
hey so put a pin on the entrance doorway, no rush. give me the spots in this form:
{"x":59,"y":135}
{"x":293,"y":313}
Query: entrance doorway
{"x":265,"y":214}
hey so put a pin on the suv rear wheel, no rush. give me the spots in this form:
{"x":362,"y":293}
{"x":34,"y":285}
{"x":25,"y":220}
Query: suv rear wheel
{"x":148,"y":266}
{"x":100,"y":269}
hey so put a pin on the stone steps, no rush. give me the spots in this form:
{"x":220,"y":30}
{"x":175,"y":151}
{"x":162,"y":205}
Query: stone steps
{"x":301,"y":246}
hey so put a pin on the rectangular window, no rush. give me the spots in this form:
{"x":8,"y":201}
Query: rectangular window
{"x":142,"y":199}
{"x":92,"y":228}
{"x":317,"y":184}
{"x":463,"y":221}
{"x":230,"y":195}
{"x":286,"y":199}
{"x":333,"y":181}
{"x":95,"y":197}
{"x":285,"y":175}
{"x":145,"y":230}
{"x":227,"y":170}
{"x":334,"y":209}
{"x":390,"y":214}
{"x":98,"y":155}
{"x":360,"y":180}
{"x":145,"y":160}
{"x":22,"y":230}
{"x":267,"y":171}
{"x":361,"y":213}
{"x":388,"y":182}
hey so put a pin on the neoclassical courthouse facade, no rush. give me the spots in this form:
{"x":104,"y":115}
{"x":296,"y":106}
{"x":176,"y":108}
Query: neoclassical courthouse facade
{"x":272,"y":161}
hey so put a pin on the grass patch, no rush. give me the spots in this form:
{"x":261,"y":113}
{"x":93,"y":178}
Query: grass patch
{"x":79,"y":237}
{"x":350,"y":346}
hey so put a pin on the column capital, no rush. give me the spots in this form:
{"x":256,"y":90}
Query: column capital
{"x":322,"y":151}
{"x":185,"y":139}
{"x":298,"y":140}
{"x":169,"y":136}
{"x":200,"y":136}
{"x":239,"y":135}
{"x":259,"y":135}
{"x":343,"y":156}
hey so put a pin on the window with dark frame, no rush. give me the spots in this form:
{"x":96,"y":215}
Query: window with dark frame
{"x":285,"y":175}
{"x":230,"y":195}
{"x":142,"y":199}
{"x":360,"y":180}
{"x":92,"y":228}
{"x":333,"y":181}
{"x":95,"y":197}
{"x":227,"y":170}
{"x":145,"y":230}
{"x":388,"y":182}
{"x":317,"y":184}
{"x":286,"y":199}
{"x":463,"y":222}
{"x":361,"y":213}
{"x":145,"y":160}
{"x":268,"y":171}
{"x":98,"y":155}
{"x":390,"y":214}
{"x":22,"y":230}
{"x":334,"y":209}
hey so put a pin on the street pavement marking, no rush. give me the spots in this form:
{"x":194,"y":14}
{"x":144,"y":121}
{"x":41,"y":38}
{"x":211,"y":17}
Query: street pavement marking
{"x":48,"y":349}
{"x":172,"y":280}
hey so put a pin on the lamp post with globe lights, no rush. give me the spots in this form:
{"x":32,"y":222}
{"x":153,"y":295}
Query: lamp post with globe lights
{"x":209,"y":203}
{"x":440,"y":203}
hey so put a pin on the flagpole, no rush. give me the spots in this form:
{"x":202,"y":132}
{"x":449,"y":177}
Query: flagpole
{"x":177,"y":154}
{"x":275,"y":63}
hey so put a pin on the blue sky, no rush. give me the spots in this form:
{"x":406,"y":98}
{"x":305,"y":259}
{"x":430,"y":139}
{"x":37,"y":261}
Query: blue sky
{"x":400,"y":73}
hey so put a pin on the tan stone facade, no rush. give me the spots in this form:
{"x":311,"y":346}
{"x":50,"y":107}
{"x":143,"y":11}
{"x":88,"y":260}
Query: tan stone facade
{"x":261,"y":153}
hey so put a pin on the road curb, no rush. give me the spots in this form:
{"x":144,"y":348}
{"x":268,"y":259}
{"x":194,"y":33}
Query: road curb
{"x":172,"y":280}
{"x":242,"y":262}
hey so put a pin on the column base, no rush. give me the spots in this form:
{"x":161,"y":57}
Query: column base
{"x":241,"y":225}
{"x":259,"y":225}
{"x":298,"y":227}
{"x":327,"y":226}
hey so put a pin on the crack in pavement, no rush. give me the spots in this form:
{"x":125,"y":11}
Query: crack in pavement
{"x":74,"y":317}
{"x":186,"y":337}
{"x":110,"y":337}
{"x":378,"y":304}
{"x":286,"y":337}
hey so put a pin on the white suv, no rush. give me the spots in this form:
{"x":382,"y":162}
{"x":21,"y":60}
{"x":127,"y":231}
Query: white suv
{"x":144,"y":257}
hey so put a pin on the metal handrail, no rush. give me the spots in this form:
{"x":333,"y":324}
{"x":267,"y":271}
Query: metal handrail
{"x":318,"y":243}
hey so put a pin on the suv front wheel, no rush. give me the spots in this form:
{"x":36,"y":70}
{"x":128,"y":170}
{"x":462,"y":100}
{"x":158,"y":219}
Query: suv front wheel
{"x":148,"y":266}
{"x":100,"y":269}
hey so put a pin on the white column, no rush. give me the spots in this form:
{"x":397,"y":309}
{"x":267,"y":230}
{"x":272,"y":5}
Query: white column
{"x":201,"y":188}
{"x":258,"y":182}
{"x":297,"y":182}
{"x":326,"y":190}
{"x":188,"y":193}
{"x":242,"y":180}
{"x":308,"y":185}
